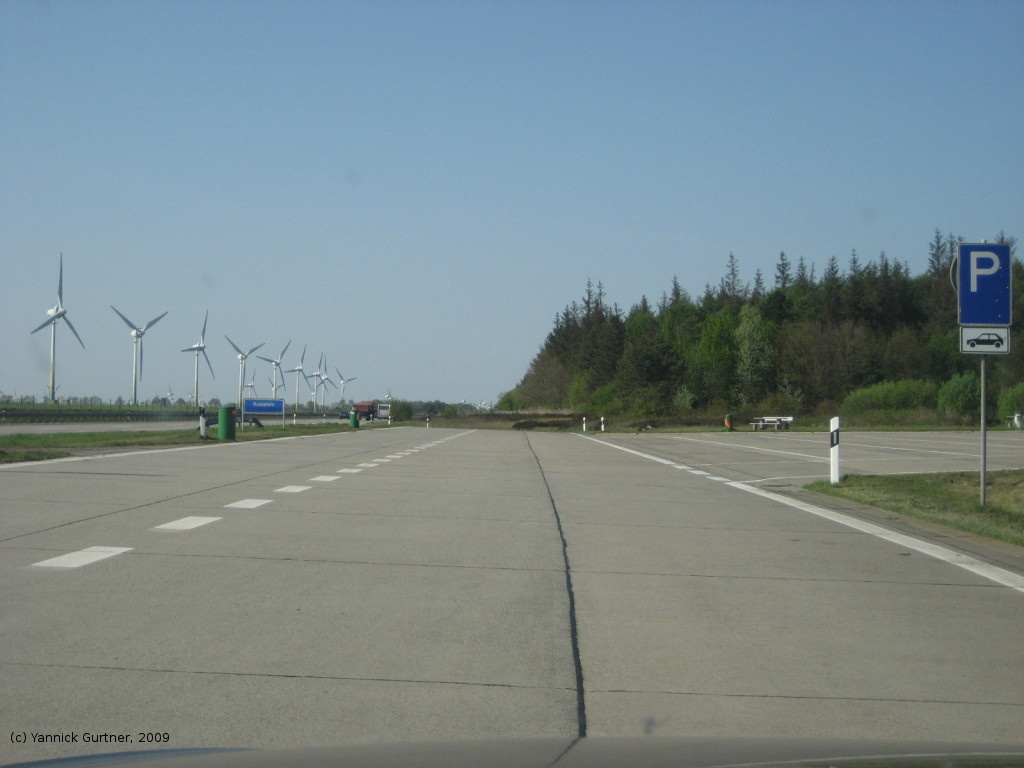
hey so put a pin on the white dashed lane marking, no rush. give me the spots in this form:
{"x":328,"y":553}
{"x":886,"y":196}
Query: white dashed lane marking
{"x":293,"y":489}
{"x":186,"y":523}
{"x":350,"y":471}
{"x":247,"y":504}
{"x":82,"y":557}
{"x":323,"y":478}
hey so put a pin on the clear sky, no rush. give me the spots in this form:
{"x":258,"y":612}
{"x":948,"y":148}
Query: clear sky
{"x":415,"y":189}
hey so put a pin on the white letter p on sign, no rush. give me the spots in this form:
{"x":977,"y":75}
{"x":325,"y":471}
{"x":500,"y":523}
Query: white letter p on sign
{"x":976,"y":269}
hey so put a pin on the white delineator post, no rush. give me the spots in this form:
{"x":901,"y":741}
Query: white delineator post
{"x":584,"y":423}
{"x":834,"y":453}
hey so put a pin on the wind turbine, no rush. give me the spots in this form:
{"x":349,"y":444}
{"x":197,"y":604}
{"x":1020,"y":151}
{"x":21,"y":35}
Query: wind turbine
{"x":200,"y":346}
{"x":56,"y":314}
{"x":277,"y":366}
{"x":343,"y":381}
{"x":297,"y":370}
{"x":325,"y":379}
{"x":251,"y":386}
{"x":241,"y":365}
{"x":137,"y":334}
{"x":317,"y":381}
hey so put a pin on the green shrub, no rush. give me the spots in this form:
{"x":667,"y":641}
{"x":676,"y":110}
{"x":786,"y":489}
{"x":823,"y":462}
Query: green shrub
{"x":961,"y":395}
{"x":906,"y":395}
{"x":511,"y":401}
{"x":401,"y":410}
{"x":1011,"y":401}
{"x":684,"y":400}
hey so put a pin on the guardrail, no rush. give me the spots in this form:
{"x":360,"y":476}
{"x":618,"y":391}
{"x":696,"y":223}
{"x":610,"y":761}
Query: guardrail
{"x":81,"y":415}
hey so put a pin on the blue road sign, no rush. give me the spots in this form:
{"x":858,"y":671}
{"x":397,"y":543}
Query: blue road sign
{"x":257,"y":405}
{"x":985,"y":284}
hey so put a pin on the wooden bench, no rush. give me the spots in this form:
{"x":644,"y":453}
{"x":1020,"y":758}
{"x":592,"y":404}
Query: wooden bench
{"x":778,"y":422}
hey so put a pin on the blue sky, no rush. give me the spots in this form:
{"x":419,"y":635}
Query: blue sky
{"x":415,"y":189}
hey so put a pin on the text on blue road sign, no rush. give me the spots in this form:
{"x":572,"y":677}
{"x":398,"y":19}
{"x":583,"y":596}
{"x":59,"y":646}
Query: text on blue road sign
{"x":256,"y":405}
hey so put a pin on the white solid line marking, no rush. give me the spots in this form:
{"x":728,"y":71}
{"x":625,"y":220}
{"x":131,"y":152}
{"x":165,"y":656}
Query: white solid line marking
{"x":752,"y":448}
{"x":82,"y":557}
{"x":323,"y":478}
{"x":186,"y":523}
{"x":247,"y":503}
{"x":350,"y":471}
{"x":985,"y":570}
{"x":293,"y":489}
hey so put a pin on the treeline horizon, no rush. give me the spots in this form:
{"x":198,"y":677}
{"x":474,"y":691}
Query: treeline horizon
{"x":800,"y":345}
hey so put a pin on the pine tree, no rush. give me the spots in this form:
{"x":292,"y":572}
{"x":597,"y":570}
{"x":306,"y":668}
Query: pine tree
{"x":783,"y":277}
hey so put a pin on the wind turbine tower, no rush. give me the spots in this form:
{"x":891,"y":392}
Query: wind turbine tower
{"x":200,"y":346}
{"x":277,"y":366}
{"x":137,"y":334}
{"x":297,"y":370}
{"x":55,"y":314}
{"x":241,"y":365}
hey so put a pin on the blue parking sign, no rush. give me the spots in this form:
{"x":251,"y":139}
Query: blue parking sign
{"x":985,"y":284}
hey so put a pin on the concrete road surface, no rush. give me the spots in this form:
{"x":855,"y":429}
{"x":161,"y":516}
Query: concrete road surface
{"x":409,"y":584}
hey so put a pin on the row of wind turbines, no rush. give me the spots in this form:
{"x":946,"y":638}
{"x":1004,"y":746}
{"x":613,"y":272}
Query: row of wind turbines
{"x":318,"y":379}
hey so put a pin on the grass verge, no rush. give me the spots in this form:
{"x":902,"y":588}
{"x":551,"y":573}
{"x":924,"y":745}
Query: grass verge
{"x":950,"y":498}
{"x":32,"y":447}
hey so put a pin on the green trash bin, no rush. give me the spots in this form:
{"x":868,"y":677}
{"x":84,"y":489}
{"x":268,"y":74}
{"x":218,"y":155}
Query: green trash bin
{"x":353,"y":419}
{"x":226,"y":423}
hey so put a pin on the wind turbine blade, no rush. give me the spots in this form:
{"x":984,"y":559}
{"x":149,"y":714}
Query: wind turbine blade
{"x":51,"y":320}
{"x":153,"y":322}
{"x":202,"y":335}
{"x":127,"y":322}
{"x":303,"y":358}
{"x":66,"y":320}
{"x":261,"y":357}
{"x":254,"y":349}
{"x":234,"y":345}
{"x":60,"y":282}
{"x":208,"y":364}
{"x":284,"y":350}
